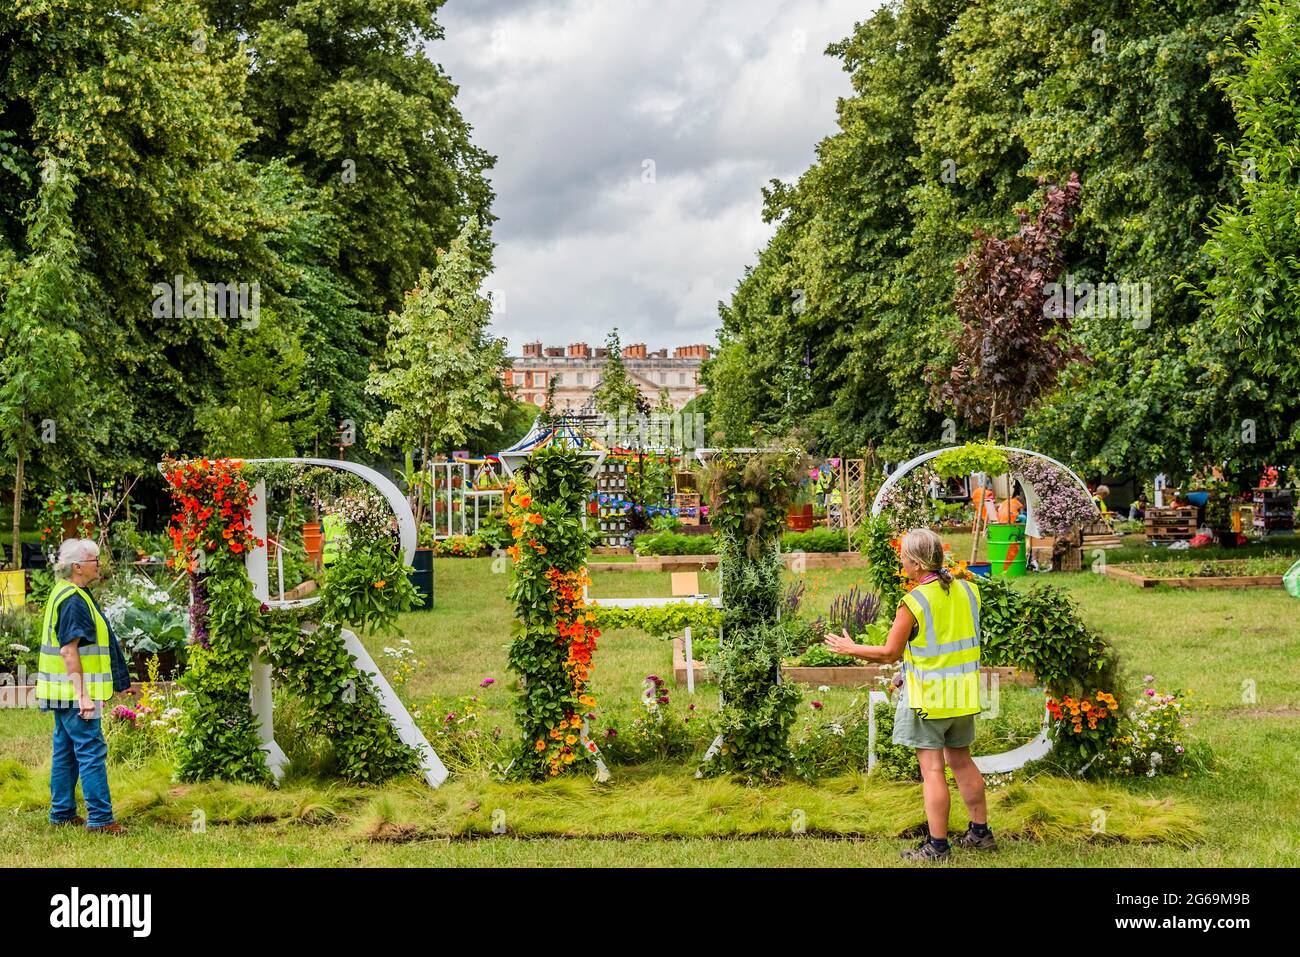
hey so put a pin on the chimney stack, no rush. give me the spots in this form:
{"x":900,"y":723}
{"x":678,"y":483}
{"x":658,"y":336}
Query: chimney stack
{"x":533,"y":350}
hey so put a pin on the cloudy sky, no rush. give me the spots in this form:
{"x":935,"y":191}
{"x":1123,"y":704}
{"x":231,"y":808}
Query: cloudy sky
{"x":632,"y":138}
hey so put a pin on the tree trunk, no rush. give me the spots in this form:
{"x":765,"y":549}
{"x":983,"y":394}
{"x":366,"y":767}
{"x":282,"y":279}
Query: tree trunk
{"x":18,"y":506}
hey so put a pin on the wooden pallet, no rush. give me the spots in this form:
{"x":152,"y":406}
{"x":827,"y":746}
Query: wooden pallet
{"x":1170,"y":524}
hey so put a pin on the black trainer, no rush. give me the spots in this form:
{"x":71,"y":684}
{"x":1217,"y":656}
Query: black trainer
{"x":927,"y":851}
{"x":977,"y":842}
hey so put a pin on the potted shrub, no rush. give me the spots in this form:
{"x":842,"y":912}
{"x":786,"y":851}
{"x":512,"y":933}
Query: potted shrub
{"x":67,"y":515}
{"x":799,"y":517}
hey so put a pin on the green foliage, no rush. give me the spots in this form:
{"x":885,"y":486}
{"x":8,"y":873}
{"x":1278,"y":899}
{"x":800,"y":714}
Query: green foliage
{"x":345,"y":91}
{"x":459,"y":546}
{"x":1039,"y":630}
{"x":264,"y":410}
{"x":441,"y":368}
{"x":314,"y":149}
{"x":146,"y":618}
{"x":20,"y":641}
{"x":749,"y":495}
{"x":338,"y":700}
{"x":970,"y":458}
{"x":883,"y":567}
{"x":552,"y":640}
{"x":894,"y":762}
{"x":818,"y":656}
{"x":757,"y":708}
{"x":455,"y":731}
{"x":367,"y":588}
{"x":667,"y":621}
{"x":956,"y":109}
{"x":1252,"y":292}
{"x":816,"y":540}
{"x":659,"y":733}
{"x":617,"y":392}
{"x":838,"y":744}
{"x":671,"y":543}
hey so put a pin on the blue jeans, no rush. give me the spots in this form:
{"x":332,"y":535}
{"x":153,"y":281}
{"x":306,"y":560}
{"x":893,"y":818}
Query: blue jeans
{"x":79,"y":751}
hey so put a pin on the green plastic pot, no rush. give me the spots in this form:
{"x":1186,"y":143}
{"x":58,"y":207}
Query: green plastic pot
{"x":1007,"y":551}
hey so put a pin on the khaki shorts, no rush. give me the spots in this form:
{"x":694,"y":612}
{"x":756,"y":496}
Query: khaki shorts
{"x":913,"y":731}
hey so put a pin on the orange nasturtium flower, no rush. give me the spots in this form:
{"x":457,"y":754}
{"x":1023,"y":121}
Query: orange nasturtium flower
{"x":381,"y":583}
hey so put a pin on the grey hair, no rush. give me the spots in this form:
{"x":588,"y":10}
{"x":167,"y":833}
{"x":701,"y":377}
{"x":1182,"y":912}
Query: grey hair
{"x":924,"y":548}
{"x":74,"y":550}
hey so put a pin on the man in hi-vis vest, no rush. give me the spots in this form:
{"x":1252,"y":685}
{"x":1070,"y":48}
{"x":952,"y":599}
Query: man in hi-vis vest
{"x":80,"y":667}
{"x":936,"y":633}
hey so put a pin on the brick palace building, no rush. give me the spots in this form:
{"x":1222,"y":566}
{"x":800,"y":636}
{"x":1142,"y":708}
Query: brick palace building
{"x":576,"y":371}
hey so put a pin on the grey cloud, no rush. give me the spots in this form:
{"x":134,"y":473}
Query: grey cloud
{"x":572,"y":97}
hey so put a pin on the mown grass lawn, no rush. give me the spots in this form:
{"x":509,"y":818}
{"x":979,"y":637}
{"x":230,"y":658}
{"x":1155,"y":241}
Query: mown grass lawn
{"x":1239,"y":652}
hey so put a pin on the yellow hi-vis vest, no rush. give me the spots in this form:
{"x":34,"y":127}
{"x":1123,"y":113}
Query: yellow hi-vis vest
{"x":333,"y":534}
{"x":942,"y":661}
{"x":53,"y":683}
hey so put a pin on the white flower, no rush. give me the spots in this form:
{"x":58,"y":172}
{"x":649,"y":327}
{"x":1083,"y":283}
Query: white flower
{"x":836,"y":728}
{"x":1156,"y":757}
{"x":158,"y":724}
{"x":173,"y":730}
{"x":823,"y":687}
{"x":181,"y":694}
{"x":1151,"y":773}
{"x":17,"y":647}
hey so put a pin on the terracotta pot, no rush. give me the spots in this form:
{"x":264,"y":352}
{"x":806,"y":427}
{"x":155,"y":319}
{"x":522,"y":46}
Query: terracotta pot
{"x":73,"y":527}
{"x":798,"y":521}
{"x":312,"y":540}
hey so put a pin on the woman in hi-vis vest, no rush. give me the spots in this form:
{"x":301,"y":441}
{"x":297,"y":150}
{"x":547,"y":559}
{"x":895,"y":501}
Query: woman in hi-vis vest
{"x":936,"y":633}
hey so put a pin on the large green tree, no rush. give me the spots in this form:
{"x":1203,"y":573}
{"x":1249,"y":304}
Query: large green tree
{"x":1253,"y":289}
{"x":38,"y":339}
{"x":263,"y":410}
{"x":616,"y":393}
{"x":957,"y":110}
{"x":346,"y":90}
{"x":440,"y":373}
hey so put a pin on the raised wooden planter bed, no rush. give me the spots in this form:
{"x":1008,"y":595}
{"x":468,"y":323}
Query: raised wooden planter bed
{"x":683,"y":563}
{"x":847,"y":676}
{"x":1199,"y":581}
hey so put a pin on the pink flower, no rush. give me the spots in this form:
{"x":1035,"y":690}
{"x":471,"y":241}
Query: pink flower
{"x":1151,"y":692}
{"x":817,"y":705}
{"x":487,"y":681}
